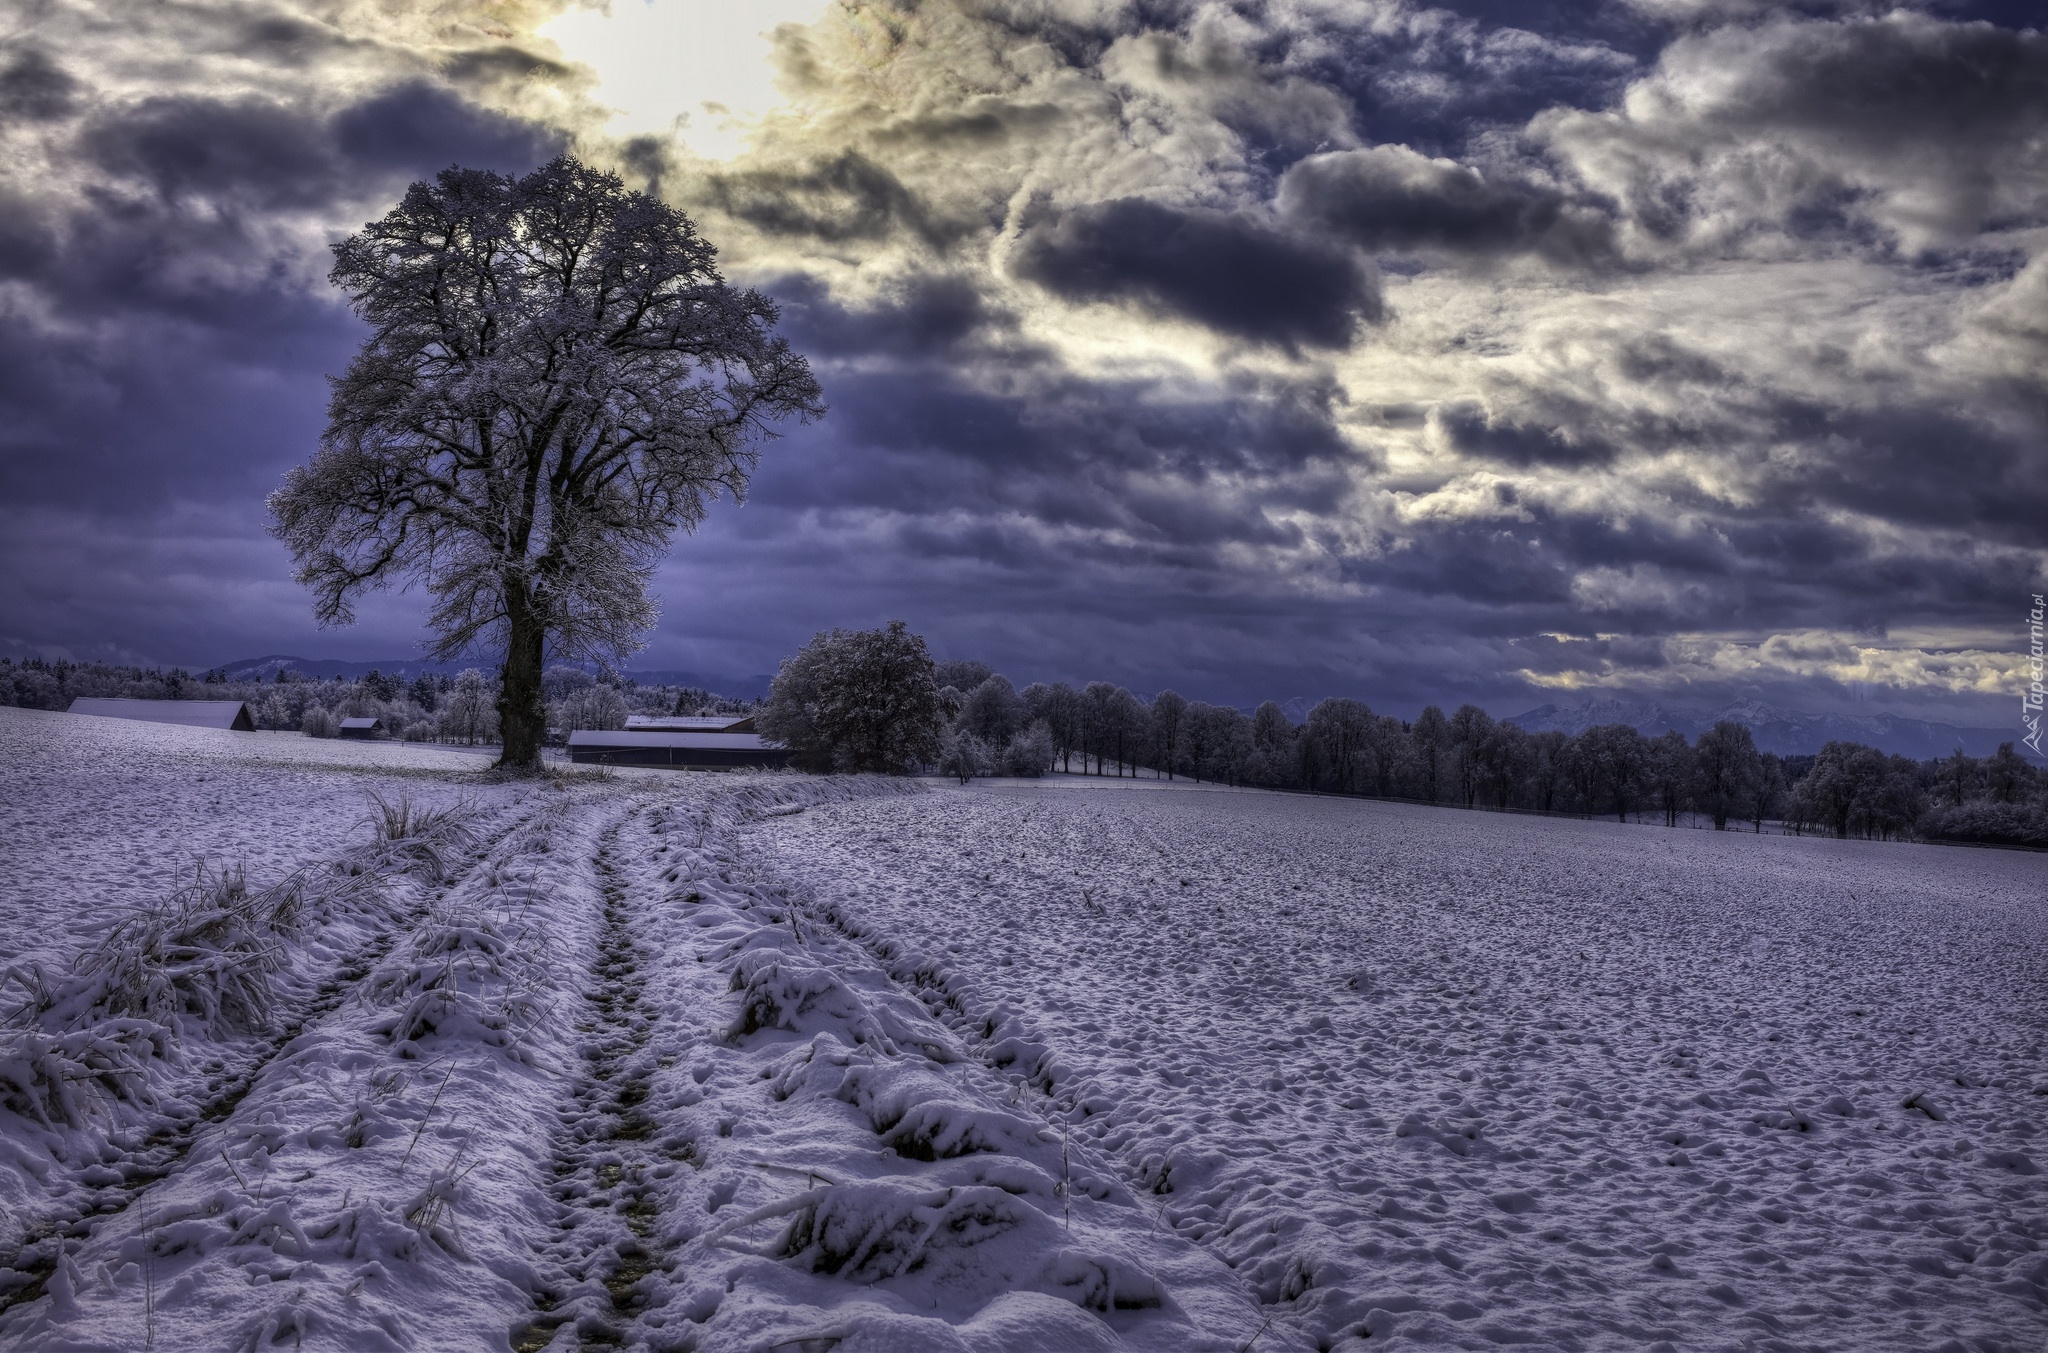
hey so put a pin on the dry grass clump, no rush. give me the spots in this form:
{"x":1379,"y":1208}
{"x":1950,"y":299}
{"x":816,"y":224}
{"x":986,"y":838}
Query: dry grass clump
{"x":413,"y":839}
{"x":199,"y":960}
{"x":203,"y":954}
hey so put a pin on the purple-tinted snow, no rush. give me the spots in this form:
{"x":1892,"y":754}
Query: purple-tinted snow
{"x":1461,"y":1079}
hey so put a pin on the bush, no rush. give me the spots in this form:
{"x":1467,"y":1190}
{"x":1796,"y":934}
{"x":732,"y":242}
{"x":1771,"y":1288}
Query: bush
{"x":421,"y":731}
{"x":408,"y":837}
{"x":1030,"y":753}
{"x":318,"y":723}
{"x":965,"y":756}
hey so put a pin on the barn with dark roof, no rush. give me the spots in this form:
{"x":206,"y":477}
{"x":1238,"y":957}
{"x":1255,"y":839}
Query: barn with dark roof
{"x":223,"y":714}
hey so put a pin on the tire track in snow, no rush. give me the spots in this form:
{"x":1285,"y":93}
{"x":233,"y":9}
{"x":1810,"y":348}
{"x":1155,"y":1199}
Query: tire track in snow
{"x":168,"y":1146}
{"x":825,"y":1166}
{"x":1003,"y":1065}
{"x":606,"y":1158}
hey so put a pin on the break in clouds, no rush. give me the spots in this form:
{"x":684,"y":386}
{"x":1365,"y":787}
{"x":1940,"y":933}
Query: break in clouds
{"x":1339,"y":347}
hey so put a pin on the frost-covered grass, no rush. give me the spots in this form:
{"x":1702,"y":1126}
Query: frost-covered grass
{"x":1453,"y":1079}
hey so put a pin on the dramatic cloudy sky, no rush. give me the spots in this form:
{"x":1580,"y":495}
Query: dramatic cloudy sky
{"x":1484,"y":350}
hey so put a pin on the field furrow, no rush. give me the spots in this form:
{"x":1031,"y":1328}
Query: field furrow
{"x":368,"y":1171}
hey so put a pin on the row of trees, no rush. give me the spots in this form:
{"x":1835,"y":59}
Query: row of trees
{"x":1466,"y":758}
{"x":875,"y":701}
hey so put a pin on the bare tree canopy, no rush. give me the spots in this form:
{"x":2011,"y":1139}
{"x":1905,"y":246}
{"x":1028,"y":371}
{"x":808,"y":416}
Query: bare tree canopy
{"x":557,"y":380}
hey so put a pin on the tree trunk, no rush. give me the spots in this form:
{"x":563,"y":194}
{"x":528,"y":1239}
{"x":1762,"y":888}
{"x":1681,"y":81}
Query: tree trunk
{"x":522,"y":718}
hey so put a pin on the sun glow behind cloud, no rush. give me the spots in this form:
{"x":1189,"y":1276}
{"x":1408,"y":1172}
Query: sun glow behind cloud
{"x":697,"y":68}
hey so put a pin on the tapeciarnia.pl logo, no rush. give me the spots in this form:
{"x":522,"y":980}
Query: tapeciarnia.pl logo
{"x":2031,"y":700}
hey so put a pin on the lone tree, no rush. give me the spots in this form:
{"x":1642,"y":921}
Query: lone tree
{"x":856,"y":700}
{"x":557,"y":380}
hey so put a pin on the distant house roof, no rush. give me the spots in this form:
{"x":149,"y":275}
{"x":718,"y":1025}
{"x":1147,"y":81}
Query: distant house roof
{"x":682,"y":750}
{"x":362,"y":723}
{"x":685,"y":723}
{"x":228,"y":714}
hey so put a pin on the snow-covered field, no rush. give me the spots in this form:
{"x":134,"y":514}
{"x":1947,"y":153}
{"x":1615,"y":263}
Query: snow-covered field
{"x":1429,"y":1078}
{"x":767,"y":1062}
{"x":99,"y":815}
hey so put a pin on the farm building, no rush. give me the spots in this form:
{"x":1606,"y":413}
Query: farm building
{"x":689,"y":723}
{"x":226,"y":714}
{"x":677,"y":750}
{"x":362,"y":728}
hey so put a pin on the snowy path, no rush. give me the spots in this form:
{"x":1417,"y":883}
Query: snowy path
{"x":1434,"y":1078}
{"x":777,"y":1147}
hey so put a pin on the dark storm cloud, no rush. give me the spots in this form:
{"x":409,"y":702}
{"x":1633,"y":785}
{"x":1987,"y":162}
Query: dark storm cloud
{"x":840,"y":197}
{"x":271,"y":155}
{"x":1220,"y":269}
{"x":34,"y":88}
{"x":1070,"y":430}
{"x":1474,"y":432}
{"x":1388,"y":199}
{"x":928,"y":316}
{"x":1930,"y":467}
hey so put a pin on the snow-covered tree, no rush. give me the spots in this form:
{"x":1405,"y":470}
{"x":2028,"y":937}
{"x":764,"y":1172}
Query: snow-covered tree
{"x":1504,"y":758}
{"x":1669,"y":773}
{"x":856,"y":700}
{"x":1218,"y":740}
{"x":993,"y":711}
{"x":593,"y":706}
{"x":556,"y":381}
{"x":1726,"y":771}
{"x":964,"y":755}
{"x":1059,"y":707}
{"x":1337,"y":730}
{"x":1166,"y":730}
{"x":1275,"y":746}
{"x":1617,"y":758}
{"x":1430,"y":750}
{"x":467,"y":711}
{"x":1031,"y":752}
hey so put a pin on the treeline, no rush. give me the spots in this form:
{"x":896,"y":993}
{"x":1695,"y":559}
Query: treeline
{"x":1470,"y":759}
{"x":874,"y":700}
{"x":459,"y":709}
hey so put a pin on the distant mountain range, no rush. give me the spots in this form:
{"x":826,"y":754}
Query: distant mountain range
{"x":1786,"y":732}
{"x":267,"y":668}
